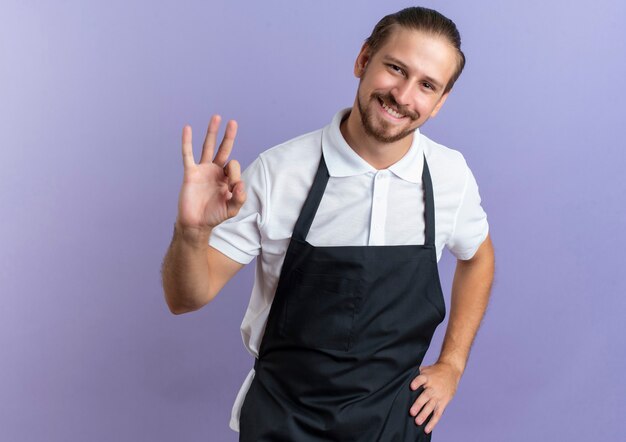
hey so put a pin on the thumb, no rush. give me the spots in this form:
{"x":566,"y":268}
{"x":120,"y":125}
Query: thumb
{"x":237,"y":199}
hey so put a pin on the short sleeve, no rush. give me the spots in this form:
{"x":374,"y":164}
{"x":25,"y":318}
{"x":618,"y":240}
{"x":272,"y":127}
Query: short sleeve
{"x":239,"y":237}
{"x":470,"y":226}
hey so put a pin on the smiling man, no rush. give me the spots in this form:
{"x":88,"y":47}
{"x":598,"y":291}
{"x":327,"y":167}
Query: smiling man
{"x":347,"y":224}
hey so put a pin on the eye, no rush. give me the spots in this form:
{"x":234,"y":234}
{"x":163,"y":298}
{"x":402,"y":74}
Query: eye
{"x":427,"y":85}
{"x":396,"y":68}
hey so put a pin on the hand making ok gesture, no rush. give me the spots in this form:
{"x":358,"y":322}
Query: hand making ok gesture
{"x":212,"y":190}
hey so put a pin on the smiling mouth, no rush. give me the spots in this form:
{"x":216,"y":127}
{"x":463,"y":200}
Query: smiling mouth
{"x":389,"y":110}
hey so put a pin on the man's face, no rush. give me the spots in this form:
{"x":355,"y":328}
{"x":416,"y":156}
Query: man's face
{"x":402,"y":85}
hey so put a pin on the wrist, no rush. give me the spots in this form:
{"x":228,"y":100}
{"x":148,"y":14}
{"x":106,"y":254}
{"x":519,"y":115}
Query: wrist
{"x":195,"y":236}
{"x":457,"y":366}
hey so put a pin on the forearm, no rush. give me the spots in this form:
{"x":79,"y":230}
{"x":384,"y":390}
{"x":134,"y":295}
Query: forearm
{"x":185,"y":270}
{"x":212,"y":192}
{"x":470,"y":295}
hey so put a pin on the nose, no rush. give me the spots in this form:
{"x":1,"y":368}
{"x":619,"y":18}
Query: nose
{"x":402,"y":93}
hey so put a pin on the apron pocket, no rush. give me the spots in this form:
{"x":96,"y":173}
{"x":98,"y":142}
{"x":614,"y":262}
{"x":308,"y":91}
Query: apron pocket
{"x":320,"y":310}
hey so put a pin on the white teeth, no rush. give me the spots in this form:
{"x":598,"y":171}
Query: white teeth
{"x":392,"y":112}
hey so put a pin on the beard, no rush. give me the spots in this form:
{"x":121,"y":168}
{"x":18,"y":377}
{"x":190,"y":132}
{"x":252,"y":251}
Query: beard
{"x":381,"y":132}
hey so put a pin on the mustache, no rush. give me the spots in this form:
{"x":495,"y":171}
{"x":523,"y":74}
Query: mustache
{"x":388,"y":98}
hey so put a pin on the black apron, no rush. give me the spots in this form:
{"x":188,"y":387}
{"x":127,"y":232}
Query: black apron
{"x":346,"y":333}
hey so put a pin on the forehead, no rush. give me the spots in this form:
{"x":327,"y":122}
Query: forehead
{"x":420,"y":51}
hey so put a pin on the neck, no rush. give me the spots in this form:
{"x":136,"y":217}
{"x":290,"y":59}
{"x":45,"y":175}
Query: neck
{"x":379,"y":155}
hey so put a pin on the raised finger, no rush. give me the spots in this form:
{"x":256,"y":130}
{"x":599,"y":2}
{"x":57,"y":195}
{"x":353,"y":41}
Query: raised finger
{"x":227,"y":144}
{"x":211,"y":139}
{"x":187,"y":148}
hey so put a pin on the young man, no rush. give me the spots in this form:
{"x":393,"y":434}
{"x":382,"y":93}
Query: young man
{"x":348,"y":223}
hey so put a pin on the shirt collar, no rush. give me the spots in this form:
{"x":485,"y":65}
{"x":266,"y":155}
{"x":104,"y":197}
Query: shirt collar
{"x":342,"y":161}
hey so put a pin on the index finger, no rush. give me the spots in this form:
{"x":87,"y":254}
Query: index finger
{"x":418,"y":381}
{"x":227,"y":144}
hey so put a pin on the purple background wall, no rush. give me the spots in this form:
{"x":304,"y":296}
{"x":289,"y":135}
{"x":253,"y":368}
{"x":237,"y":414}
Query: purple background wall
{"x":92,"y":101}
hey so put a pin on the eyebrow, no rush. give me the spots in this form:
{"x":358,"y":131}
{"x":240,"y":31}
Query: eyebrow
{"x":394,"y":60}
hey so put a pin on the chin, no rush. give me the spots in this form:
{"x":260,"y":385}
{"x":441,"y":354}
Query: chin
{"x":378,"y":129}
{"x":386,"y":136}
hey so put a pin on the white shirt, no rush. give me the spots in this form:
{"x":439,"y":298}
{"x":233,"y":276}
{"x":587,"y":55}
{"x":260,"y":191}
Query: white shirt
{"x":361,"y":206}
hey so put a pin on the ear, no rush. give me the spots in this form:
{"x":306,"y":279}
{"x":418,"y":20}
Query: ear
{"x":361,"y":61}
{"x":440,"y":103}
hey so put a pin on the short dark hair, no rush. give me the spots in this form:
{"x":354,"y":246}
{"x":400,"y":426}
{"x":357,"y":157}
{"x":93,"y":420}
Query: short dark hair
{"x":419,"y":19}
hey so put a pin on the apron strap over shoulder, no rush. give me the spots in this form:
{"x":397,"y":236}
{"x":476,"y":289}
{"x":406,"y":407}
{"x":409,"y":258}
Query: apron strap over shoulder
{"x":301,"y":230}
{"x":429,"y":206}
